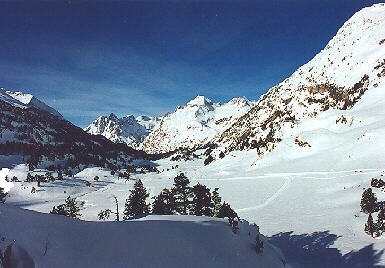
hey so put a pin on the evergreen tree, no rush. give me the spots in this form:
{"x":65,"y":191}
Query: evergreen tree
{"x":59,"y":210}
{"x":31,"y":167}
{"x":164,"y":203}
{"x":225,"y":211}
{"x":70,"y":208}
{"x":381,"y":221}
{"x":369,"y":226}
{"x":258,"y":244}
{"x":2,"y":195}
{"x":30,"y":178}
{"x":368,"y":201}
{"x":60,"y":175}
{"x":217,"y":200}
{"x":182,"y":194}
{"x":202,"y":205}
{"x":136,"y":202}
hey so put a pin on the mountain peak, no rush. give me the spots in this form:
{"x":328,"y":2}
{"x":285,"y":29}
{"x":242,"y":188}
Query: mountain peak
{"x":193,"y":125}
{"x":241,"y":102}
{"x":30,"y":101}
{"x":128,"y":129}
{"x":112,"y":116}
{"x":200,"y":101}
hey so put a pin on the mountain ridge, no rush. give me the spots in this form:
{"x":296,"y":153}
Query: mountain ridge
{"x":194,"y":124}
{"x":29,"y":100}
{"x":331,"y":80}
{"x":128,"y":129}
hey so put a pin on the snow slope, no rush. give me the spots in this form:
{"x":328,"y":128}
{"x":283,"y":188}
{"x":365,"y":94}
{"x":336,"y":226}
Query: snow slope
{"x":154,"y":241}
{"x":304,"y":194}
{"x":194,"y":124}
{"x":128,"y":129}
{"x":5,"y":97}
{"x":352,"y":64}
{"x":32,"y":101}
{"x":305,"y":198}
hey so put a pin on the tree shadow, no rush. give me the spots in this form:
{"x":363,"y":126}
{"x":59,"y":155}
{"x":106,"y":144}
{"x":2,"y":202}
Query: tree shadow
{"x":313,"y":250}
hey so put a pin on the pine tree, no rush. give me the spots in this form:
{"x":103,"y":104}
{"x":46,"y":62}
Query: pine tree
{"x":202,"y":205}
{"x":136,"y":202}
{"x":182,"y":194}
{"x":381,"y":221}
{"x":30,"y":178}
{"x":217,"y":200}
{"x":368,"y":201}
{"x":31,"y":167}
{"x":72,"y":207}
{"x":60,"y":175}
{"x":258,"y":244}
{"x":69,"y":209}
{"x":2,"y":195}
{"x":164,"y":203}
{"x":369,"y":226}
{"x":59,"y":210}
{"x":225,"y":211}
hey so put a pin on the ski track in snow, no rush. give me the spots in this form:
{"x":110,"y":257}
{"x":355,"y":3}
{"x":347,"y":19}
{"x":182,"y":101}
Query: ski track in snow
{"x":284,"y":186}
{"x":289,"y":179}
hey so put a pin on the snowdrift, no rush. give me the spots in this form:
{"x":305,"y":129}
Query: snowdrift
{"x":43,"y":240}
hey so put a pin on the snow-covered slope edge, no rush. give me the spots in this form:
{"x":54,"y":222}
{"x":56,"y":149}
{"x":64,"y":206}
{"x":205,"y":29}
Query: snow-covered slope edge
{"x":31,"y":101}
{"x":352,"y":63}
{"x":128,"y":129}
{"x":5,"y":97}
{"x":194,"y":124}
{"x":44,"y":240}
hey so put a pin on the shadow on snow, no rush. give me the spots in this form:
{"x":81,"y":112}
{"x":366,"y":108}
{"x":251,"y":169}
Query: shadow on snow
{"x":313,"y":250}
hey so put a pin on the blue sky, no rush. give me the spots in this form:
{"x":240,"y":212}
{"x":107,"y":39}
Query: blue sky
{"x":146,"y":57}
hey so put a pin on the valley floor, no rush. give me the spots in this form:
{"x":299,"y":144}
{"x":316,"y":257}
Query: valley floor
{"x":313,"y":215}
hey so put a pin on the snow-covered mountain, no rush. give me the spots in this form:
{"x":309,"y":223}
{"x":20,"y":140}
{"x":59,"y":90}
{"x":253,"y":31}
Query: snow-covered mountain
{"x":30,"y":101}
{"x":194,"y":124}
{"x":352,"y":63}
{"x":6,"y":98}
{"x":33,"y":131}
{"x":128,"y":129}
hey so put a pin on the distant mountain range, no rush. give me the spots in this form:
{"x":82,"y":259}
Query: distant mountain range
{"x":128,"y":129}
{"x":351,"y":64}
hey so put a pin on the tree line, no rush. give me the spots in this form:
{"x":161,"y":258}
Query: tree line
{"x":181,"y":199}
{"x":370,"y":205}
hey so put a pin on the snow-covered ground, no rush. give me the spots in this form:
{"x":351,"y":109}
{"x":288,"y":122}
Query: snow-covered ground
{"x":307,"y":199}
{"x":305,"y":194}
{"x":41,"y":240}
